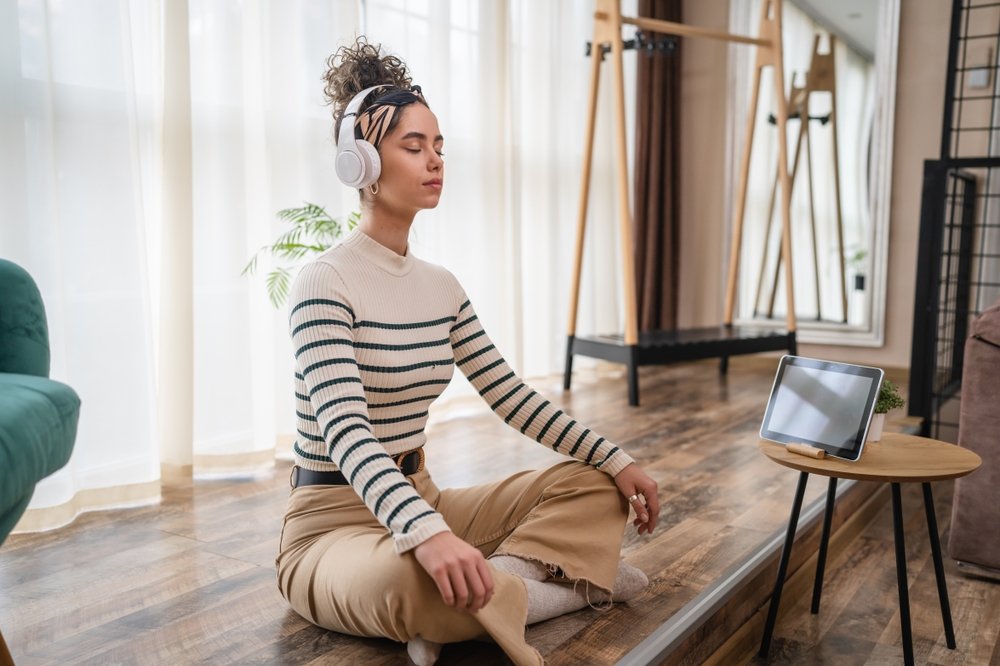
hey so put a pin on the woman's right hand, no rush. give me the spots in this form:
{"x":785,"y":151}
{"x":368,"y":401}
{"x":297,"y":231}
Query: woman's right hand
{"x":460,"y":571}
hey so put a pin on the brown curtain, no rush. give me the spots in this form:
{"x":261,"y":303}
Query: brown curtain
{"x":657,"y":210}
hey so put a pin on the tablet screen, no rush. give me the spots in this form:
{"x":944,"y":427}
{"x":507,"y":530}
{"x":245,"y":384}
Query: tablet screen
{"x":822,"y":403}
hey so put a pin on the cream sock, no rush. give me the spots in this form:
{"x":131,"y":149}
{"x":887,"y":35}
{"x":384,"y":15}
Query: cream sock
{"x":547,"y":599}
{"x":629,"y":583}
{"x":423,"y":653}
{"x":527,"y":569}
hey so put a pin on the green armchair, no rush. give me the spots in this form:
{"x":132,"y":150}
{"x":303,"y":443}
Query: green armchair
{"x":38,"y":416}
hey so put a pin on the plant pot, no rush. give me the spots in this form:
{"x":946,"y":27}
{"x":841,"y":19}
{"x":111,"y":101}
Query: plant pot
{"x":875,"y":429}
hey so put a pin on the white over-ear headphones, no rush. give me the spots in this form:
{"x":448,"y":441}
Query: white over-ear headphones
{"x":357,"y":164}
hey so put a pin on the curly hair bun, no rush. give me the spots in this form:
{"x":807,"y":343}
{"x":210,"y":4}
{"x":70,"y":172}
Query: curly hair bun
{"x":353,"y":68}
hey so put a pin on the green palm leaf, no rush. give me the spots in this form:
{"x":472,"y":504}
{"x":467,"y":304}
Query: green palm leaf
{"x":313,"y":231}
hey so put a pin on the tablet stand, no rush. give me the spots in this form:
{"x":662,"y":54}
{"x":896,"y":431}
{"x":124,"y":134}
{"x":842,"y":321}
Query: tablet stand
{"x":805,"y":450}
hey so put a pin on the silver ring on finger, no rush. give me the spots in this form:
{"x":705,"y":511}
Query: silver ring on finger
{"x":633,"y":498}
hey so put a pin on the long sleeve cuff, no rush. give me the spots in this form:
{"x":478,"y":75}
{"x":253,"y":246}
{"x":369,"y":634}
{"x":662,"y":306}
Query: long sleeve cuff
{"x":432,"y":525}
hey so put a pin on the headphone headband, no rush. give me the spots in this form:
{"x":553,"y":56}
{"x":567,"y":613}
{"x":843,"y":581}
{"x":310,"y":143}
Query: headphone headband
{"x":352,"y":112}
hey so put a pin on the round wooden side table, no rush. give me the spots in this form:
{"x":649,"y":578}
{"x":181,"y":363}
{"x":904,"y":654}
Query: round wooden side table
{"x":896,"y":459}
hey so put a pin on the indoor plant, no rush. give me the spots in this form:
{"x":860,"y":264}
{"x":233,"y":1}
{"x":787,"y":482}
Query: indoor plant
{"x":313,"y":232}
{"x":888,"y":398}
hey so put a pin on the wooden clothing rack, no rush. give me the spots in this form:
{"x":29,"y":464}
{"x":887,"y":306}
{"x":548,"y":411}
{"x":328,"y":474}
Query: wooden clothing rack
{"x":657,"y":347}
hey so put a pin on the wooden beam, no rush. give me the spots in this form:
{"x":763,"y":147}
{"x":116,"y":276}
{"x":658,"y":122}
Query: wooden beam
{"x":671,"y":28}
{"x":588,"y":158}
{"x":773,"y":28}
{"x":621,"y":155}
{"x":761,"y":60}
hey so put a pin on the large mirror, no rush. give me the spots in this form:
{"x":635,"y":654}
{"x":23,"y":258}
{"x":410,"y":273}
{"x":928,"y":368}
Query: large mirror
{"x":841,"y":188}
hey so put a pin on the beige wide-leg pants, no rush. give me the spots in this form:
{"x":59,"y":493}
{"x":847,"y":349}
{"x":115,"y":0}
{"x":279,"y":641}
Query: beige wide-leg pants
{"x":337,"y":566}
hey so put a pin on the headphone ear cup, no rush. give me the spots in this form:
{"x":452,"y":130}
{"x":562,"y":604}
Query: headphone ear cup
{"x":372,"y":163}
{"x":350,"y":166}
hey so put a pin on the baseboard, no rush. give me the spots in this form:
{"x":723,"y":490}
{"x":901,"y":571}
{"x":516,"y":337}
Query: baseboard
{"x":977,"y":571}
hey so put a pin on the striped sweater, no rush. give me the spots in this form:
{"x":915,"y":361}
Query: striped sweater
{"x":376,"y":338}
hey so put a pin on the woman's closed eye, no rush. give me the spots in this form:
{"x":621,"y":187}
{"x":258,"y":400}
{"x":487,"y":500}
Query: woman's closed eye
{"x":418,"y":150}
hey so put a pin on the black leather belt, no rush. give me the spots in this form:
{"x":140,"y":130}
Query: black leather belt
{"x":408,"y":463}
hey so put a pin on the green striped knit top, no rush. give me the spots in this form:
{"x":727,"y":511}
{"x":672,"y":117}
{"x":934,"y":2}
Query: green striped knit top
{"x":376,"y":337}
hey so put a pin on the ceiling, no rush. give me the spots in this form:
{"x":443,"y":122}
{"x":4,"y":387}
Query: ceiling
{"x":853,"y":21}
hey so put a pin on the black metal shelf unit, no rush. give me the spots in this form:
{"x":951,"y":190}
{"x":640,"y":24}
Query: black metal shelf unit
{"x":958,"y":262}
{"x":686,"y":344}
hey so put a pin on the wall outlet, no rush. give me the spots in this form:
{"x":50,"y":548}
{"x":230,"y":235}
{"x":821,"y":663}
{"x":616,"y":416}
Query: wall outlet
{"x":980,"y":64}
{"x":979,"y":78}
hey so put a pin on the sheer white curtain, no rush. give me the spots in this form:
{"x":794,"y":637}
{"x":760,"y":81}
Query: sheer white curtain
{"x":77,"y":87}
{"x":261,"y":141}
{"x":82,"y":199}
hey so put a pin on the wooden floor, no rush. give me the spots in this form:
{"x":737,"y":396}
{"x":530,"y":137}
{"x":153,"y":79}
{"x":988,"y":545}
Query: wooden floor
{"x":192,"y":579}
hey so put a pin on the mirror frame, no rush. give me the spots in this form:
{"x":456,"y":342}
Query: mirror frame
{"x":742,"y":20}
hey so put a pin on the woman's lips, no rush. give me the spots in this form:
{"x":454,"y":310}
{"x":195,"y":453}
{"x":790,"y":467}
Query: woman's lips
{"x":434,"y":183}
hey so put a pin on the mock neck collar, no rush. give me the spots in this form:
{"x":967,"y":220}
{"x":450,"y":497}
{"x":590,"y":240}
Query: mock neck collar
{"x":378,"y":254}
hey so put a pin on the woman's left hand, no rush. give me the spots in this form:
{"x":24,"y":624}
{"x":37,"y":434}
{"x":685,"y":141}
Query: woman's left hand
{"x":641,"y":492}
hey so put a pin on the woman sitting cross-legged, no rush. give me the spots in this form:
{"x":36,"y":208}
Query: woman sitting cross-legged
{"x":370,"y":546}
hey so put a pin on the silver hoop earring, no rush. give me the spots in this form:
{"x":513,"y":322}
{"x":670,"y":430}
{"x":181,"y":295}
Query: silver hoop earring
{"x":373,"y":188}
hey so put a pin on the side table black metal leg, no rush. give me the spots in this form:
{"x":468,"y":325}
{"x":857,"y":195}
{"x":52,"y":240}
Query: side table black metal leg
{"x":904,"y":595}
{"x":786,"y":551}
{"x":831,"y":496}
{"x":568,"y":374}
{"x":949,"y":631}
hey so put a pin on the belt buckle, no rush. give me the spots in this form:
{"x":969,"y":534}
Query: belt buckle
{"x":401,"y":458}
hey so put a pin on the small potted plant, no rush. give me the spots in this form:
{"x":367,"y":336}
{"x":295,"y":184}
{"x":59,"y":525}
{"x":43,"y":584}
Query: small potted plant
{"x":888,"y":399}
{"x":313,"y":232}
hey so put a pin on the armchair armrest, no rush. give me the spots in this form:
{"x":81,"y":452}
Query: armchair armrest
{"x":24,"y":333}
